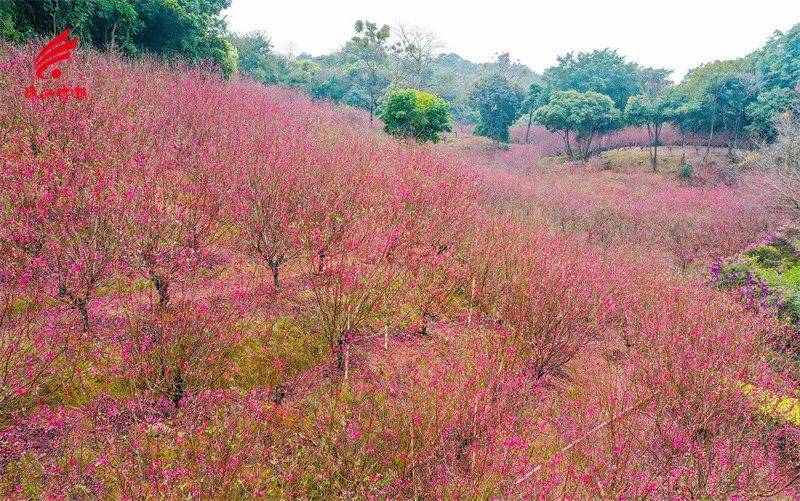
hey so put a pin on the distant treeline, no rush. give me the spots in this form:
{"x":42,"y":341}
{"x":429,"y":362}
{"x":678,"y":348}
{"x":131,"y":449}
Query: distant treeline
{"x":583,"y":96}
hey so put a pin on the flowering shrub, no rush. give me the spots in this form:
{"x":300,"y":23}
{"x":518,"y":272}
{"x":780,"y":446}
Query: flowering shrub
{"x":765,"y":278}
{"x":684,"y":226}
{"x":217,"y":289}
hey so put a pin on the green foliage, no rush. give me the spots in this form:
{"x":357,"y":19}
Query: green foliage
{"x":537,"y":96}
{"x":653,"y":110}
{"x":413,"y":113}
{"x":586,"y":114}
{"x":301,"y":71}
{"x":328,"y":85}
{"x":498,"y":102}
{"x":769,"y":274}
{"x":192,"y":29}
{"x":718,"y":95}
{"x":227,"y":57}
{"x":256,"y":59}
{"x":768,"y":105}
{"x":746,"y":94}
{"x":367,"y":67}
{"x":453,"y":78}
{"x":778,"y":62}
{"x":602,"y":71}
{"x":105,"y":24}
{"x":11,"y":28}
{"x":653,"y":80}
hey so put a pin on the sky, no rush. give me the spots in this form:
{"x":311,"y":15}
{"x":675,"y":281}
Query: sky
{"x":674,"y":34}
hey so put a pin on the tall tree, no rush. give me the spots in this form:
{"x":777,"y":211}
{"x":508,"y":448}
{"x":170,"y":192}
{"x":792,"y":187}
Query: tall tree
{"x":498,"y":101}
{"x":777,"y":66}
{"x":415,"y":51}
{"x":514,"y":70}
{"x":256,"y":58}
{"x":722,"y":91}
{"x":653,"y":80}
{"x":653,"y":111}
{"x":536,"y":97}
{"x":368,"y":70}
{"x":587,"y":115}
{"x":602,"y":71}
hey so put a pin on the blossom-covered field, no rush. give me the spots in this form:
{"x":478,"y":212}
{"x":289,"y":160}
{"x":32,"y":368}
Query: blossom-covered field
{"x":219,"y":289}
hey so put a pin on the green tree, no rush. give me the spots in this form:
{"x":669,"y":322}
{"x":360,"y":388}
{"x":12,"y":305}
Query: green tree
{"x":106,"y":24}
{"x":498,"y":102}
{"x":368,"y":71}
{"x":653,"y":111}
{"x":257,"y":60}
{"x":536,"y":97}
{"x":115,"y":23}
{"x":192,"y":29}
{"x":587,"y":115}
{"x":764,"y":110}
{"x":722,"y":92}
{"x":778,"y":62}
{"x":413,"y":113}
{"x":301,"y":72}
{"x":777,"y":66}
{"x":452,"y":78}
{"x":12,"y":25}
{"x":602,"y":71}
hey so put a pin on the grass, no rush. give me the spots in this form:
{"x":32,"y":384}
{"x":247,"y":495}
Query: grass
{"x":671,"y":159}
{"x":782,"y":408}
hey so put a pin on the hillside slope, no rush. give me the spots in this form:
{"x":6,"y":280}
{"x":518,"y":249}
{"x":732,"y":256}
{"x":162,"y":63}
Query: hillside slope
{"x":217,"y":289}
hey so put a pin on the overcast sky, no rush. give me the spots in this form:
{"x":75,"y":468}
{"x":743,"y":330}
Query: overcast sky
{"x":675,"y":34}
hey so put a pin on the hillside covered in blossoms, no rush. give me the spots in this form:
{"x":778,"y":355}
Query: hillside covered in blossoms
{"x":211,"y":288}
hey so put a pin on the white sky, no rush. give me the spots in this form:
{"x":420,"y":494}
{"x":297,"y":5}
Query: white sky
{"x":675,"y":34}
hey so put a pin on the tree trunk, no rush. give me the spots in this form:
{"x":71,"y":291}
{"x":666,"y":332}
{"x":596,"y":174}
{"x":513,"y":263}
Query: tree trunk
{"x":340,"y":355}
{"x":656,"y":134}
{"x":733,"y":144}
{"x":177,"y":390}
{"x":321,"y":255}
{"x":426,"y":318}
{"x":81,"y":304}
{"x":275,"y":267}
{"x":588,"y":148}
{"x":528,"y":132}
{"x":162,"y":287}
{"x":113,"y":32}
{"x":711,"y":134}
{"x":568,"y":146}
{"x":372,"y":105}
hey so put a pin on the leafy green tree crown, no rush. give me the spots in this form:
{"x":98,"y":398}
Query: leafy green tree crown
{"x":498,"y":102}
{"x":412,"y":113}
